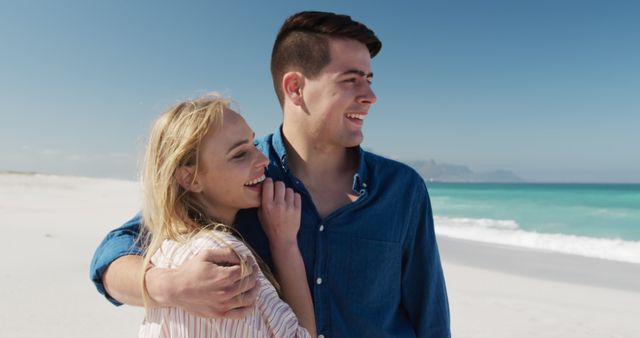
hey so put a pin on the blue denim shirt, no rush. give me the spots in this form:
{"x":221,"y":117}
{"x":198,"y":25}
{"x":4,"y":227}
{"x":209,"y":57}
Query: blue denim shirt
{"x":372,"y":266}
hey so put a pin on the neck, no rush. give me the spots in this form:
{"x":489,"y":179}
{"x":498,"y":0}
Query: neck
{"x":224,"y":216}
{"x":315,"y":162}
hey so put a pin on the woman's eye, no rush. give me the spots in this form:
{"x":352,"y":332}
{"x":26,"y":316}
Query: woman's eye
{"x":240,"y":155}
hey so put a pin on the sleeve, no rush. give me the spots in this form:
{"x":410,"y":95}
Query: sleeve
{"x":424,"y":294}
{"x":271,"y":315}
{"x":118,"y":242}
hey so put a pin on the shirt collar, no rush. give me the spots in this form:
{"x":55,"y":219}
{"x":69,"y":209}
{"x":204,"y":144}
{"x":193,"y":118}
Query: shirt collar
{"x":360,"y":179}
{"x":278,"y":145}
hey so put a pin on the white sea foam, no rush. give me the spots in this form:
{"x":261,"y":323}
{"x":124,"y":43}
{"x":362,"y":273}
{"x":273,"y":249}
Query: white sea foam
{"x":508,"y":232}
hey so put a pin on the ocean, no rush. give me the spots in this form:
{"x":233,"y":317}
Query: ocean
{"x":593,"y":220}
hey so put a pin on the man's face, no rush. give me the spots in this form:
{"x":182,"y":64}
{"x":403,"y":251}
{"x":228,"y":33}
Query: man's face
{"x":338,"y":99}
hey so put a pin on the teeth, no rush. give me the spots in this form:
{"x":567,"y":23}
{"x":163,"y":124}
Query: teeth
{"x":256,"y":181}
{"x":356,"y":116}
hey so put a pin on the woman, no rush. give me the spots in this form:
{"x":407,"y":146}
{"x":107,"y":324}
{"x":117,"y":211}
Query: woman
{"x":200,"y":168}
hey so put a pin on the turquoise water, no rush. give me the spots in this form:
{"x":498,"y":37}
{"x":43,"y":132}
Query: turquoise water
{"x":570,"y":215}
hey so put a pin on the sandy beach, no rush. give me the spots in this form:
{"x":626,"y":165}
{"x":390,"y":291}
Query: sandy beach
{"x":54,"y":223}
{"x":511,"y":292}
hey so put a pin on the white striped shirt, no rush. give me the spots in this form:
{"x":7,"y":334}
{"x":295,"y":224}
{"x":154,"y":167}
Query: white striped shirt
{"x":271,"y":316}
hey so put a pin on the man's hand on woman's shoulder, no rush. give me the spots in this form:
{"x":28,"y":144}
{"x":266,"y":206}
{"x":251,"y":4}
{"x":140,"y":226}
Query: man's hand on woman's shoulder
{"x":211,"y":284}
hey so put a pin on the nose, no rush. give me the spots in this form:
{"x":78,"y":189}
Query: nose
{"x":368,"y":97}
{"x":262,"y":161}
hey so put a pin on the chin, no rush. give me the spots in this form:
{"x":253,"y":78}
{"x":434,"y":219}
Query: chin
{"x":253,"y":203}
{"x":354,"y":142}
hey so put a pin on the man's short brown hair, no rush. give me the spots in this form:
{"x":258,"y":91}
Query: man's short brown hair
{"x":302,"y":43}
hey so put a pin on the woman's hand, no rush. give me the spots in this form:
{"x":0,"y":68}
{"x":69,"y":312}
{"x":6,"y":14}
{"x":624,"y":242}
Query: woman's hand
{"x":280,"y":214}
{"x":280,"y":218}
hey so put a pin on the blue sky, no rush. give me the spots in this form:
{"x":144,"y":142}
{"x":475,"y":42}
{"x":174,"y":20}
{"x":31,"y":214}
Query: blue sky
{"x":547,"y":89}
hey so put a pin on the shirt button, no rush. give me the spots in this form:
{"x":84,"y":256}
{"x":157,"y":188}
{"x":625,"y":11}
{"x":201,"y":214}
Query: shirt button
{"x":319,"y":281}
{"x":320,"y":336}
{"x":321,"y":227}
{"x":364,"y":185}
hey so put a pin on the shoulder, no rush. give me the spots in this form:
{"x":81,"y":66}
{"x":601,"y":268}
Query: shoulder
{"x":388,"y":168}
{"x":219,"y":239}
{"x":174,"y":253}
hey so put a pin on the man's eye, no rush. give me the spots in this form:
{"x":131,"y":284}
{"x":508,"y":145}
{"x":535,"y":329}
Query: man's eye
{"x":352,"y":80}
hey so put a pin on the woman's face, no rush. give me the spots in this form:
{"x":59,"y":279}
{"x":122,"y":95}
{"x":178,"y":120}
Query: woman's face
{"x":231,"y":168}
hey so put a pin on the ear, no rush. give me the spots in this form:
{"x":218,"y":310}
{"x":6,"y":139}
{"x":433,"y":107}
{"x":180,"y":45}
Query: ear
{"x":185,"y":175}
{"x":292,"y":84}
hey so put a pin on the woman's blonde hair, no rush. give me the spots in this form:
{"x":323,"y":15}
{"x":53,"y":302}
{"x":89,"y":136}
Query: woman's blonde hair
{"x":169,"y":210}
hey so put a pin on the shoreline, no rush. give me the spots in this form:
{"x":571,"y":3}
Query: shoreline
{"x":541,"y":264}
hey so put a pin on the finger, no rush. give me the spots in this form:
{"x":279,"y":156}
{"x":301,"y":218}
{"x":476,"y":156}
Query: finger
{"x":252,"y":262}
{"x":254,"y":265}
{"x":233,"y":296}
{"x":231,"y":276}
{"x":247,"y":271}
{"x":249,"y":282}
{"x":288,"y":196}
{"x":237,"y":278}
{"x":267,"y":191}
{"x":279,"y":191}
{"x":219,"y":256}
{"x":250,"y":266}
{"x":249,"y":297}
{"x":245,"y":298}
{"x":297,"y":201}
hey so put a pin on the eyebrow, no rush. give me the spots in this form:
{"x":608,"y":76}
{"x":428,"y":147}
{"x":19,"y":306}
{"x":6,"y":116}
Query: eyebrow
{"x":357,"y":72}
{"x":239,"y":143}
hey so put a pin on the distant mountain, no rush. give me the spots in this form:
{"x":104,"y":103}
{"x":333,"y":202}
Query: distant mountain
{"x":442,"y":172}
{"x":14,"y":172}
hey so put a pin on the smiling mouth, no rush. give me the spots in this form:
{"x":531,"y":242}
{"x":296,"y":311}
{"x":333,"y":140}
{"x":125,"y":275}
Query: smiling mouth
{"x":356,"y":116}
{"x":255,"y":181}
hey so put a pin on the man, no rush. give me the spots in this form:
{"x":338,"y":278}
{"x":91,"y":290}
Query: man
{"x":366,"y":232}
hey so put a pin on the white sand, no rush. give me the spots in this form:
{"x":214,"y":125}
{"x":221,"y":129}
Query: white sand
{"x":53,"y":224}
{"x":505,"y":292}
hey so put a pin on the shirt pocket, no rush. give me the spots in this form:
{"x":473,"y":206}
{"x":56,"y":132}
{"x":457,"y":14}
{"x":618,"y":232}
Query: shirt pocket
{"x":374,"y":273}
